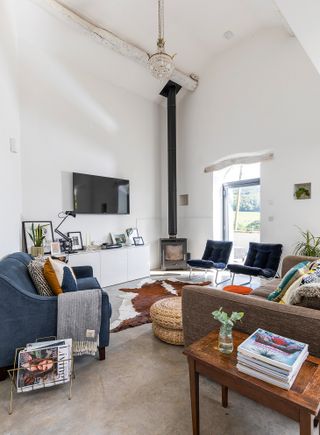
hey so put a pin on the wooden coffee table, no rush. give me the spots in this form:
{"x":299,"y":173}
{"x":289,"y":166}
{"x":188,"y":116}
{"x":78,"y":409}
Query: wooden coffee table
{"x":301,"y":403}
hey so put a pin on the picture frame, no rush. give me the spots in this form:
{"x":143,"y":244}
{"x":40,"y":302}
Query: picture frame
{"x":118,"y":238}
{"x":302,"y":191}
{"x":55,"y":249}
{"x":48,"y":233}
{"x":131,"y":233}
{"x":138,"y":241}
{"x":76,"y":239}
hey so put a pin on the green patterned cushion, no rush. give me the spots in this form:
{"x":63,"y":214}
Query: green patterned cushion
{"x":290,"y":277}
{"x":35,"y":268}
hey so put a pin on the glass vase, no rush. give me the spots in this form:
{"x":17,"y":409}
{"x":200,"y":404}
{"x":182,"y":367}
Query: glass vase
{"x":225,"y":340}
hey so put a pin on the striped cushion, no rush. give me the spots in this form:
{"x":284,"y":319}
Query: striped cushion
{"x":290,"y":277}
{"x":35,"y":268}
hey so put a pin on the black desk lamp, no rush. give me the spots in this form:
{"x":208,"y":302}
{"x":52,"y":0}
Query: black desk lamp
{"x":67,"y":242}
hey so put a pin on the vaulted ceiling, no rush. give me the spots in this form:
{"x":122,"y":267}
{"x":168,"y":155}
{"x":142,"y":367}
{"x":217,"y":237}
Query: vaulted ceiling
{"x":193,"y":29}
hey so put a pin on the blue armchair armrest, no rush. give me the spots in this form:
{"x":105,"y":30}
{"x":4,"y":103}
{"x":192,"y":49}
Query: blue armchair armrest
{"x":83,"y":271}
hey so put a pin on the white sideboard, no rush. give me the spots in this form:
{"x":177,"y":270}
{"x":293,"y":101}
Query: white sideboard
{"x":115,"y":266}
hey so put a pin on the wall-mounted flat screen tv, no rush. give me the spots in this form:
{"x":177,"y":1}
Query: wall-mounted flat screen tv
{"x":100,"y":195}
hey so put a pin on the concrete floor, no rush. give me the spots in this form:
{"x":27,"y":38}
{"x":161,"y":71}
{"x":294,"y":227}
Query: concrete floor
{"x":141,"y":388}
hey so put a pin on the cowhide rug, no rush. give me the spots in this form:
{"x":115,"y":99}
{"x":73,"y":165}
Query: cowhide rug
{"x":135,"y":307}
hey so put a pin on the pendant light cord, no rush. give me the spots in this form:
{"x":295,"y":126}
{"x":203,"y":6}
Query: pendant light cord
{"x":160,"y":19}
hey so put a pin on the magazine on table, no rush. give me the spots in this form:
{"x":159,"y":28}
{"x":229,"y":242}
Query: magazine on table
{"x":268,"y":371}
{"x":266,"y":378}
{"x":44,"y":364}
{"x":274,"y":350}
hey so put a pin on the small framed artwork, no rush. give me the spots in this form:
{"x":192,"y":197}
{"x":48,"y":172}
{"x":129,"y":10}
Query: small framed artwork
{"x":118,"y":238}
{"x":55,"y":249}
{"x":302,"y":191}
{"x":138,"y":241}
{"x":29,"y":227}
{"x":131,"y":233}
{"x":76,"y":240}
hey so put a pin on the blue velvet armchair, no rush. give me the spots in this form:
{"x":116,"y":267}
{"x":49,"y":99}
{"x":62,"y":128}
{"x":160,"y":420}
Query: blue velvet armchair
{"x":26,"y":316}
{"x":215,"y":257}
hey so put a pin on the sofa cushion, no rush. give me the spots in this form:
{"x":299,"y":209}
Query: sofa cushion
{"x":87,"y":283}
{"x":290,"y":277}
{"x":35,"y":268}
{"x":206,"y":264}
{"x":59,"y":276}
{"x":266,"y":288}
{"x":310,"y":302}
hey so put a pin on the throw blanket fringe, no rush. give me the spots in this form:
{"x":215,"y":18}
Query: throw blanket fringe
{"x":84,"y":348}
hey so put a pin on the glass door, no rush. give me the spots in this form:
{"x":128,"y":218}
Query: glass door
{"x":241,"y":215}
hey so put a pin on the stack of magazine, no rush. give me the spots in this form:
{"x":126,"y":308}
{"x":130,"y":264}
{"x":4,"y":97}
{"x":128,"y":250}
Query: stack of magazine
{"x":272,"y":358}
{"x":44,"y":364}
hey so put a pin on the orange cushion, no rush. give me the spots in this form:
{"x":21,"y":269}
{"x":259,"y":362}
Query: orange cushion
{"x":240,"y":289}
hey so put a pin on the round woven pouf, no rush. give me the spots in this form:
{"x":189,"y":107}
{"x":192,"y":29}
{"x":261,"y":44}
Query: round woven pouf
{"x":166,"y":316}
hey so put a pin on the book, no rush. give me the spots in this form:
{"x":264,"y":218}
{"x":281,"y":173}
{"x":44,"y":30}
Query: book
{"x":275,"y":350}
{"x":266,"y":378}
{"x":269,"y":371}
{"x":44,"y":364}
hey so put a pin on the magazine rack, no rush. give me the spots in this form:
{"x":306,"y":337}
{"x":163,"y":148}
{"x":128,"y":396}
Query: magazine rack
{"x":14,"y":375}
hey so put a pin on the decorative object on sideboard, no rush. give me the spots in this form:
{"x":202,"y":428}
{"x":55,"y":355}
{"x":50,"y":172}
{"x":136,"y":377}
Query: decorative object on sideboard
{"x":131,"y":233}
{"x":225,"y":333}
{"x":55,"y":249}
{"x":76,"y":240}
{"x":118,"y":238}
{"x":309,"y":246}
{"x":38,"y":236}
{"x":302,"y":191}
{"x":138,"y":241}
{"x":66,"y":242}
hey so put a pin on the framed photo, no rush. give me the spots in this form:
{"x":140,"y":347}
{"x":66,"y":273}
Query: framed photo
{"x":55,"y":249}
{"x":302,"y":191}
{"x":138,"y":241}
{"x":131,"y":233}
{"x":118,"y":238}
{"x":76,"y":239}
{"x":47,"y":232}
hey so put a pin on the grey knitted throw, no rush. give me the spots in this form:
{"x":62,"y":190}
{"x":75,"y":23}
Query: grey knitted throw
{"x":79,"y":318}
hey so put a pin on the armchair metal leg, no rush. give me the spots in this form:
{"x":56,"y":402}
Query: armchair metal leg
{"x":216,"y":277}
{"x":243,"y":283}
{"x":232,"y":279}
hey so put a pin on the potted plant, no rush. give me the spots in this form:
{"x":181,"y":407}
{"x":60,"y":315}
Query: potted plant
{"x":225,"y":333}
{"x":37,"y":236}
{"x":309,"y":245}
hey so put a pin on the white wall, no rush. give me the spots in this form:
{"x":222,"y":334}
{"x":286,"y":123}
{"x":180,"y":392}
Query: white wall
{"x":10,"y":186}
{"x":262,"y":94}
{"x":72,"y":121}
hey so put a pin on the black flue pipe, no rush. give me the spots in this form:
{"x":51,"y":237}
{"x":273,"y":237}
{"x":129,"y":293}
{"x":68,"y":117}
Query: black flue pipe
{"x":170,"y":91}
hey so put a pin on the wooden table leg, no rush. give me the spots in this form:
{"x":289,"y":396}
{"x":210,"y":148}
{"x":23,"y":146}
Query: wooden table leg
{"x":194,"y":395}
{"x":306,"y":423}
{"x":224,"y":396}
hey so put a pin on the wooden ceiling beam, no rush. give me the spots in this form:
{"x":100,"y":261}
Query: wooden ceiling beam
{"x":112,"y":41}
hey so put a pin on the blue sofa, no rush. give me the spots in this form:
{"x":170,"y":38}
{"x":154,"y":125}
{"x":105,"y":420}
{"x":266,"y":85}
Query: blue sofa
{"x":26,"y":316}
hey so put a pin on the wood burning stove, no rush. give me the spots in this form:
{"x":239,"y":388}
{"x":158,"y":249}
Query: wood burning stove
{"x":173,"y":254}
{"x":173,"y":249}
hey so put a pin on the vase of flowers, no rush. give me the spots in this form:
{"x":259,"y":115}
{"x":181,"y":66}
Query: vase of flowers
{"x":37,"y":236}
{"x":225,"y":333}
